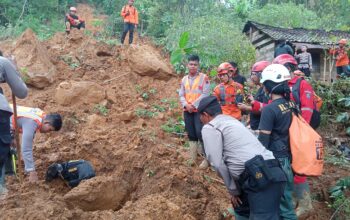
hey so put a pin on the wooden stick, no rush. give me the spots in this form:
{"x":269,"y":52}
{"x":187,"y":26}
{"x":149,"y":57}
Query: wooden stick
{"x":18,"y":145}
{"x":115,"y":78}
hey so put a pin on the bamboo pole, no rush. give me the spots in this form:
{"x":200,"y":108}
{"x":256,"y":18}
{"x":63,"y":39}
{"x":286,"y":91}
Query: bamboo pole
{"x":18,"y":145}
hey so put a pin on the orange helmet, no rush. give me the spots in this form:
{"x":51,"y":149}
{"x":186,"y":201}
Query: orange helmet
{"x":343,"y":41}
{"x":224,"y":68}
{"x":260,"y":66}
{"x":73,"y":9}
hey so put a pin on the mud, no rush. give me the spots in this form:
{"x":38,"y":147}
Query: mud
{"x":142,"y":172}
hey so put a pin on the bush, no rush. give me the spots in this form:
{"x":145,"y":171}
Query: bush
{"x":214,"y":40}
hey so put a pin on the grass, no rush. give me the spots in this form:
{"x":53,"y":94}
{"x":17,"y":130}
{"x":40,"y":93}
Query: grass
{"x":101,"y":110}
{"x":144,"y":113}
{"x":24,"y":74}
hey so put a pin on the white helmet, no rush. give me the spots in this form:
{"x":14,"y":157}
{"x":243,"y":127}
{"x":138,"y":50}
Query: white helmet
{"x":73,"y":9}
{"x":276,"y":73}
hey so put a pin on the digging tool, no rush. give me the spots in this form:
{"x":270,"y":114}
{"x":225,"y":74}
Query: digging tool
{"x":18,"y":146}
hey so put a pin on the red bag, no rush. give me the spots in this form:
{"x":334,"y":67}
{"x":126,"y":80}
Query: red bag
{"x":307,"y":148}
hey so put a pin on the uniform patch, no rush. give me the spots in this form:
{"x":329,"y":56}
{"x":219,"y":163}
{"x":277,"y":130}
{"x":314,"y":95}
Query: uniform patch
{"x":308,"y":95}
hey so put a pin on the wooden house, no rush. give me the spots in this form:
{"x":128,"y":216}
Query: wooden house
{"x":265,"y":39}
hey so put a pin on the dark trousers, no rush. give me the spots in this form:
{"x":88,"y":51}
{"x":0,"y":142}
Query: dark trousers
{"x":128,"y":27}
{"x":343,"y":69}
{"x":193,"y":126}
{"x":5,"y":141}
{"x":80,"y":25}
{"x":306,"y":71}
{"x":263,"y":204}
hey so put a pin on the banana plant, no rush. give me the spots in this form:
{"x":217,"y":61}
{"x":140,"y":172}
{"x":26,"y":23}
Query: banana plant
{"x":178,"y":55}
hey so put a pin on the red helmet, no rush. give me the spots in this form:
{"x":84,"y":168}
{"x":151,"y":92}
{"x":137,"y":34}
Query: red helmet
{"x":224,"y":68}
{"x":260,"y":66}
{"x":73,"y":9}
{"x":284,"y":59}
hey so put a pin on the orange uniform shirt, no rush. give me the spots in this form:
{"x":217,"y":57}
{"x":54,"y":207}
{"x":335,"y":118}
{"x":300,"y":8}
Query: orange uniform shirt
{"x":341,"y":54}
{"x":228,"y":105}
{"x":130,"y":14}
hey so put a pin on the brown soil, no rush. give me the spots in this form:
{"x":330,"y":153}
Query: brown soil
{"x":142,"y":172}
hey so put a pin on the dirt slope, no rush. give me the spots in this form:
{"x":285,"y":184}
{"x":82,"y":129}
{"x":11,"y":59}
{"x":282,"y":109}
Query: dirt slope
{"x":141,"y":171}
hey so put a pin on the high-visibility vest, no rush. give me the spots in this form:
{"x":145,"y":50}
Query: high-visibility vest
{"x":194,"y":92}
{"x":33,"y":113}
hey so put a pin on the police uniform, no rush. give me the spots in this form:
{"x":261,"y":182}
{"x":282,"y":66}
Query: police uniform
{"x":248,"y":169}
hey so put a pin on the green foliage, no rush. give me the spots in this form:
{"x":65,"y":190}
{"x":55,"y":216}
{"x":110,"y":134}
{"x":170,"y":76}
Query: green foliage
{"x":144,"y":113}
{"x":286,"y":15}
{"x":178,"y":55}
{"x":24,"y":74}
{"x":101,"y":110}
{"x":340,"y":202}
{"x":216,"y":40}
{"x":174,"y":127}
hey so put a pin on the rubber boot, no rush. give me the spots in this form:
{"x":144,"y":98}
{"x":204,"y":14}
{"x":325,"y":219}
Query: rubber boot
{"x":193,"y":150}
{"x":304,"y":202}
{"x":204,"y":165}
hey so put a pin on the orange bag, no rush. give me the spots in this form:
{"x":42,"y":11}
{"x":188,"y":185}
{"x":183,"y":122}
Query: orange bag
{"x":307,"y":148}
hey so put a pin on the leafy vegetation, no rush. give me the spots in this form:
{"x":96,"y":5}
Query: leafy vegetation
{"x":101,"y":110}
{"x":340,"y":201}
{"x":176,"y":127}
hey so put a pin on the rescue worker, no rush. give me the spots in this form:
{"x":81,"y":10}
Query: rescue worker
{"x":194,"y":87}
{"x":250,"y":172}
{"x":72,"y":20}
{"x":304,"y":61}
{"x":236,"y":76}
{"x":9,"y":75}
{"x":131,"y":20}
{"x":307,"y":106}
{"x":29,"y":121}
{"x":259,"y":98}
{"x":228,"y":92}
{"x":275,"y":121}
{"x":283,"y":48}
{"x":342,"y":59}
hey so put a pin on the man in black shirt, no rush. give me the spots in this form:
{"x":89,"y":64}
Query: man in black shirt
{"x":283,"y":48}
{"x":275,"y":121}
{"x":259,"y":97}
{"x":235,"y":74}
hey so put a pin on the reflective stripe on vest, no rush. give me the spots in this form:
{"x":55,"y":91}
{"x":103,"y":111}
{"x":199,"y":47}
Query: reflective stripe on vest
{"x":194,"y":92}
{"x":222,"y":94}
{"x":33,"y":113}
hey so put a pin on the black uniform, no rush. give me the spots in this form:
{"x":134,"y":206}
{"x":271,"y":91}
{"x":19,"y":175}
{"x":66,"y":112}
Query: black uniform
{"x":239,"y":79}
{"x":255,"y":117}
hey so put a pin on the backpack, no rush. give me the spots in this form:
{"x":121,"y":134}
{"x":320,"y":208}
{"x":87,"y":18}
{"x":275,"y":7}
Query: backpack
{"x":316,"y":115}
{"x":72,"y":172}
{"x":306,"y":146}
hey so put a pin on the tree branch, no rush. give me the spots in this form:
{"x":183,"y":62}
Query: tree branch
{"x":23,"y":8}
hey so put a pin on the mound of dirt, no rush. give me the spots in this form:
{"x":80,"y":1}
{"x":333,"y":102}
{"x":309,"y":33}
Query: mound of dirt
{"x":153,"y":207}
{"x":147,"y":62}
{"x":99,"y":193}
{"x":73,"y":92}
{"x":34,"y":61}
